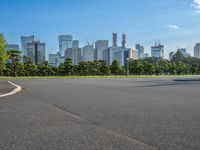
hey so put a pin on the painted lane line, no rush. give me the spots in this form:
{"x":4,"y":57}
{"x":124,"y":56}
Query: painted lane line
{"x":16,"y":90}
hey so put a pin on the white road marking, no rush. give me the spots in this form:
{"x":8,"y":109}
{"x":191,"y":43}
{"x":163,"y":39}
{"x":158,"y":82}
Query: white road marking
{"x":16,"y":90}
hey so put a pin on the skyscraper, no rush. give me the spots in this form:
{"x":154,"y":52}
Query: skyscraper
{"x":74,"y":53}
{"x":140,"y":50}
{"x":36,"y":51}
{"x":157,"y":51}
{"x":88,"y":53}
{"x":24,"y":41}
{"x":100,"y":45}
{"x":114,"y":40}
{"x":134,"y":54}
{"x":65,"y":42}
{"x":197,"y":50}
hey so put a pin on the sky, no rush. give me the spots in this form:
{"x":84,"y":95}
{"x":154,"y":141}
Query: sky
{"x":175,"y":23}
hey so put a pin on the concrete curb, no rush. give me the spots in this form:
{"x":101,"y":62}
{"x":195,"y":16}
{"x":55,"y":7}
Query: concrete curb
{"x":16,"y":90}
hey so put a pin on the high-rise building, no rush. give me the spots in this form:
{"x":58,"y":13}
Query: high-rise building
{"x":134,"y":54}
{"x":74,"y":53}
{"x":197,"y":50}
{"x":65,"y":42}
{"x":12,"y":47}
{"x":88,"y":53}
{"x":121,"y":54}
{"x":157,"y":51}
{"x":114,"y":45}
{"x":100,"y":45}
{"x":107,"y":55}
{"x":144,"y":55}
{"x":24,"y":41}
{"x":36,"y":50}
{"x":140,"y":50}
{"x":54,"y":59}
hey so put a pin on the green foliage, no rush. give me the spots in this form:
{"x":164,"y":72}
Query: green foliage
{"x":116,"y":68}
{"x":14,"y":58}
{"x":3,"y":55}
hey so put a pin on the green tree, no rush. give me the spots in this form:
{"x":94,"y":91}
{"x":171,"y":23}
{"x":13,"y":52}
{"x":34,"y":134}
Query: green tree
{"x":104,"y":68}
{"x":3,"y":55}
{"x":83,"y":69}
{"x":136,"y":67}
{"x":14,"y":59}
{"x":44,"y":69}
{"x":115,"y":67}
{"x":178,"y":57}
{"x":68,"y":67}
{"x":30,"y":67}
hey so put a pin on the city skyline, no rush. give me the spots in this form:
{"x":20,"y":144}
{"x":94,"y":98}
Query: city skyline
{"x":175,"y":23}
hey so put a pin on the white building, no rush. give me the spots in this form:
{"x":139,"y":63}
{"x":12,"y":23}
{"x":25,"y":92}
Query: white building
{"x":88,"y":53}
{"x":157,"y":51}
{"x":65,"y":42}
{"x":100,"y":46}
{"x":36,"y":51}
{"x":24,"y":41}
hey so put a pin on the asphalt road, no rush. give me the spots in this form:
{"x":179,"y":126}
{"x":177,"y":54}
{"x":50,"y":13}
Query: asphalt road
{"x":5,"y":87}
{"x":101,"y":114}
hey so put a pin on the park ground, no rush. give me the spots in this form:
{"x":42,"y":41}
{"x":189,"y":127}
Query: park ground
{"x":101,"y":114}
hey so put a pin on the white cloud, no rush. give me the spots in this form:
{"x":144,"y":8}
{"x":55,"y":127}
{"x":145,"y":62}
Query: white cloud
{"x":172,"y":26}
{"x":196,"y":4}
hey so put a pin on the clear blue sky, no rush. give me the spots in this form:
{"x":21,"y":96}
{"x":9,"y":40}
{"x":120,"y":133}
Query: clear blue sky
{"x":175,"y":22}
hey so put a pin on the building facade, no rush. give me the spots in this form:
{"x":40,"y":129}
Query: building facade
{"x":197,"y":50}
{"x":54,"y":59}
{"x":36,"y":50}
{"x":88,"y":53}
{"x":140,"y":50}
{"x":157,"y":51}
{"x":65,"y":42}
{"x":24,"y":41}
{"x":100,"y":46}
{"x":134,"y":54}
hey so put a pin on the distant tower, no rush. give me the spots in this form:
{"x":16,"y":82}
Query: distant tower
{"x":114,"y":39}
{"x":123,"y":40}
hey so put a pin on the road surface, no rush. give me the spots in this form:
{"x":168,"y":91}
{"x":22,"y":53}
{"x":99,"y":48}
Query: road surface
{"x":101,"y":114}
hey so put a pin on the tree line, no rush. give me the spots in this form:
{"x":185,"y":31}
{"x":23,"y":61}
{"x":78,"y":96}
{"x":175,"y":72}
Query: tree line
{"x":11,"y":65}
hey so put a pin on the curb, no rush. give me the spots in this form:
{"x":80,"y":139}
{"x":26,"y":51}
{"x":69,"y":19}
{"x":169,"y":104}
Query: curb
{"x":16,"y":90}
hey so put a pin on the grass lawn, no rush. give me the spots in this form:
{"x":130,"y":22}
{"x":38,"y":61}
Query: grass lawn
{"x":87,"y":77}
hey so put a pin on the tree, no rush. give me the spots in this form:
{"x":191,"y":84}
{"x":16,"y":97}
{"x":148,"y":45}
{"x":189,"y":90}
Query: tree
{"x":178,"y":57}
{"x":104,"y":68}
{"x":68,"y":67}
{"x":3,"y":55}
{"x":30,"y":67}
{"x":83,"y":69}
{"x":115,"y":67}
{"x":44,"y":69}
{"x":136,"y":67}
{"x":14,"y":58}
